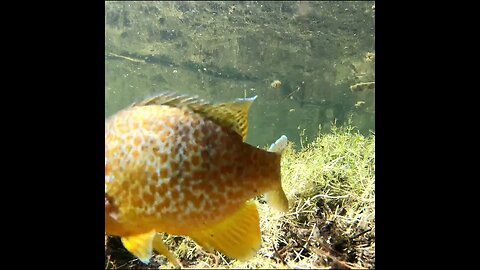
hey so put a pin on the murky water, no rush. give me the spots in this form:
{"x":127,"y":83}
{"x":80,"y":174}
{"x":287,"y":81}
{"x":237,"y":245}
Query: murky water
{"x":320,"y":52}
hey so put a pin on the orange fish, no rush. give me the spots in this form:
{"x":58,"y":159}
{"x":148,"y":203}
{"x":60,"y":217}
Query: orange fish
{"x":180,"y":165}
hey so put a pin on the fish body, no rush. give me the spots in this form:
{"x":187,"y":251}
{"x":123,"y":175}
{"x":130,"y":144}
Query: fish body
{"x":179,"y":165}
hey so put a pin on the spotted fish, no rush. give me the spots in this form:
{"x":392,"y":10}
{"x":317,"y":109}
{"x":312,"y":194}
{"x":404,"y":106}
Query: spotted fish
{"x":180,"y":165}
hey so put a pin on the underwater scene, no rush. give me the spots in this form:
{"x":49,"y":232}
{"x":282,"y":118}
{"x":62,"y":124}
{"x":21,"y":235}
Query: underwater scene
{"x":239,"y":134}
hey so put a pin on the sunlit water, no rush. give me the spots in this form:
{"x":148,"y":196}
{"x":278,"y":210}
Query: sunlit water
{"x":224,"y":50}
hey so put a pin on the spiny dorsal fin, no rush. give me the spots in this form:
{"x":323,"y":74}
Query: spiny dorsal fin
{"x":231,"y":115}
{"x":172,"y":99}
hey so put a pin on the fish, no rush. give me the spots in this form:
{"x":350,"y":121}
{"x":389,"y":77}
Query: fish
{"x":180,"y":165}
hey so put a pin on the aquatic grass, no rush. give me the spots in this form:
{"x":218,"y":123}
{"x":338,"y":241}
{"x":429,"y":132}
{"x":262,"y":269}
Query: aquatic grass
{"x":330,"y":183}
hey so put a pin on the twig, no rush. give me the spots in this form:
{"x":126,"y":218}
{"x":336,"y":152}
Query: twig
{"x":343,"y":264}
{"x":298,"y":255}
{"x":223,"y":259}
{"x":311,"y":234}
{"x":127,"y":58}
{"x":357,"y":235}
{"x":298,"y":212}
{"x":108,"y":262}
{"x":278,"y":254}
{"x":328,"y":197}
{"x":299,"y":209}
{"x":127,"y":263}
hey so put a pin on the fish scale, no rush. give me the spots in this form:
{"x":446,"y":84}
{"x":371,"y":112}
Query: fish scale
{"x":183,"y":170}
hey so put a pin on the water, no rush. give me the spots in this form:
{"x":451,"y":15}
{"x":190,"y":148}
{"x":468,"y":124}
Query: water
{"x":225,"y":50}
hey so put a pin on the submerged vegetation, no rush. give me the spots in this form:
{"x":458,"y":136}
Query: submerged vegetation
{"x":330,"y":183}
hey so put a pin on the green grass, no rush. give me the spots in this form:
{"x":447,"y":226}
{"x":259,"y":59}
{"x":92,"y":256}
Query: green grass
{"x":330,"y":184}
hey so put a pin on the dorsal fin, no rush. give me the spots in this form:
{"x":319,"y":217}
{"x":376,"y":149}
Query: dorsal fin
{"x":172,"y":99}
{"x":232,"y":115}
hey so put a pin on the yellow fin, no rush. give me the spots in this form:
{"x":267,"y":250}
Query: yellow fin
{"x":140,"y":245}
{"x":277,"y":199}
{"x":238,"y":236}
{"x":231,"y":115}
{"x":161,"y":248}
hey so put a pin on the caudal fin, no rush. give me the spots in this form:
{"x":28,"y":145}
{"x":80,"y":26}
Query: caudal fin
{"x":277,"y":198}
{"x":279,"y":145}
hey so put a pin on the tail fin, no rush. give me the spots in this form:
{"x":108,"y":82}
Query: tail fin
{"x":279,"y":145}
{"x":277,"y":198}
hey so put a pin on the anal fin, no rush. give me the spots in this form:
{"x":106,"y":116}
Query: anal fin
{"x":238,"y":236}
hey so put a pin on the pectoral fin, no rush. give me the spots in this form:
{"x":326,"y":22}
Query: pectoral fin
{"x":140,"y":245}
{"x":238,"y":236}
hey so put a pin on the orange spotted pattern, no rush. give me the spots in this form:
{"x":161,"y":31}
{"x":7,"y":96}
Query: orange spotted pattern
{"x":169,"y":169}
